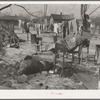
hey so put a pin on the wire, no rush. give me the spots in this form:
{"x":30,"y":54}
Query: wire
{"x":11,"y":9}
{"x":35,"y":7}
{"x":94,"y":10}
{"x":5,"y":7}
{"x":71,"y":8}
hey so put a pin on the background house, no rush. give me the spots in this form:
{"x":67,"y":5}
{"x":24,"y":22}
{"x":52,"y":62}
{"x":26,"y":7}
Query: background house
{"x":59,"y":18}
{"x":36,"y":22}
{"x":43,"y":21}
{"x":10,"y":22}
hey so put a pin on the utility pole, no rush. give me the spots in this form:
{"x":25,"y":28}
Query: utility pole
{"x":45,"y":9}
{"x":83,"y":11}
{"x":45,"y":12}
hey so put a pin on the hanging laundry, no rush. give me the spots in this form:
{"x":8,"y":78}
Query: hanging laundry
{"x":55,"y":27}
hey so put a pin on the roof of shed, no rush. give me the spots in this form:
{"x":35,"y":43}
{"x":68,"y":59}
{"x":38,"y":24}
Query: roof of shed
{"x":62,"y":17}
{"x":14,"y":18}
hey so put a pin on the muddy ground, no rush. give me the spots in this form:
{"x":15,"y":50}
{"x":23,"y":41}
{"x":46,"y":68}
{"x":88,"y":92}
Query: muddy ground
{"x":42,"y":81}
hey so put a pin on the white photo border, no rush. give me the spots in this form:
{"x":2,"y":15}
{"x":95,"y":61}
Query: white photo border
{"x":49,"y":94}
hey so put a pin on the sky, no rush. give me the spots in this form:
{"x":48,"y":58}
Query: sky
{"x":51,"y":8}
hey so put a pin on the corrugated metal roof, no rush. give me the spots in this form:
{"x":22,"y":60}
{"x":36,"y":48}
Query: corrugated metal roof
{"x":62,"y":17}
{"x":15,"y":18}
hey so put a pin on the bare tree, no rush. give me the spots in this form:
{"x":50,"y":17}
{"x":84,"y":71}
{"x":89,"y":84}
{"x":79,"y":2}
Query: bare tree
{"x":36,"y":14}
{"x":25,"y":10}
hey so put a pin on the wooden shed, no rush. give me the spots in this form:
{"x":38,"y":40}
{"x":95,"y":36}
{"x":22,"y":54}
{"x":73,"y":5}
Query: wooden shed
{"x":59,"y":18}
{"x":10,"y":21}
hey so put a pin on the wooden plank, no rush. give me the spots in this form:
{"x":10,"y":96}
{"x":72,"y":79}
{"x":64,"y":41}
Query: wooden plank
{"x":90,"y":81}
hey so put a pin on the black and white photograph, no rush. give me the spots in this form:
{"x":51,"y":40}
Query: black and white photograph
{"x":49,"y":46}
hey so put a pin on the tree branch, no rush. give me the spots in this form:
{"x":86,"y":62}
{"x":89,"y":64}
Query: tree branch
{"x":5,"y":7}
{"x":26,"y":10}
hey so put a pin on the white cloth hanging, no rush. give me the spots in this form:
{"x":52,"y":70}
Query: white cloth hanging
{"x":55,"y":27}
{"x":20,"y":22}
